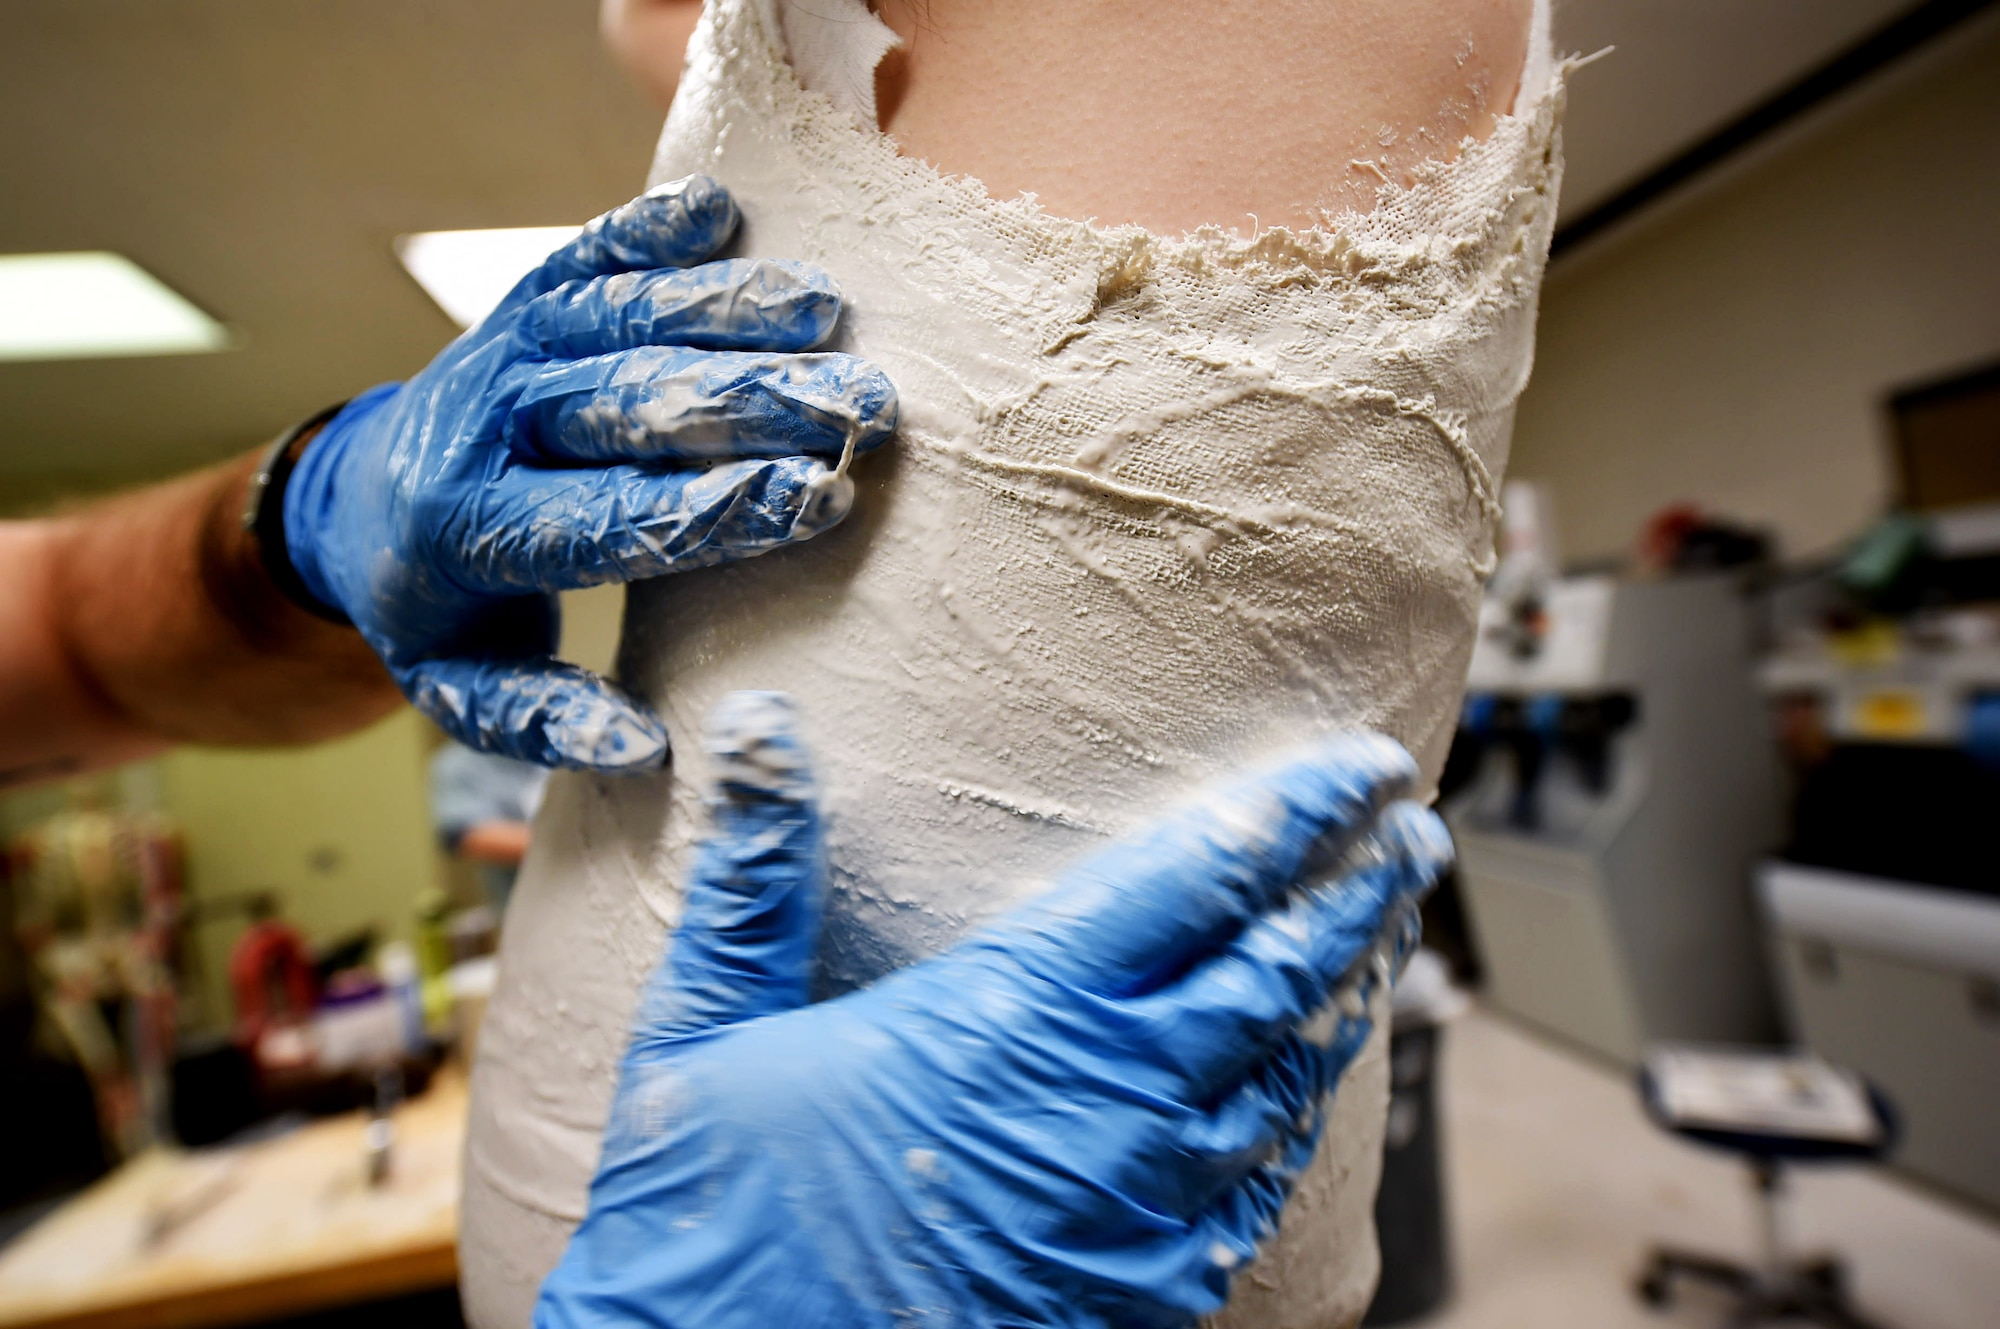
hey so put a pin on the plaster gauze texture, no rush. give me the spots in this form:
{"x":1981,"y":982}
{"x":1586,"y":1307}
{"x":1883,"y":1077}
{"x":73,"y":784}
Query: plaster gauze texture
{"x":1159,"y":509}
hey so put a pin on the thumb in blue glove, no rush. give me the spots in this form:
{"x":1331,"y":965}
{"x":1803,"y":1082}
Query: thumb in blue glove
{"x":622,"y":414}
{"x":1088,"y":1115}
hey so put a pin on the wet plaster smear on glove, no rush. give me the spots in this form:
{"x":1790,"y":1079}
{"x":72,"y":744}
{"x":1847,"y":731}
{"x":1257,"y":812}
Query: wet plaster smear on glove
{"x":1159,"y":508}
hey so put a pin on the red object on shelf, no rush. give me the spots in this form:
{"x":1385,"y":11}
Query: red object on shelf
{"x":272,"y":979}
{"x":1665,"y":531}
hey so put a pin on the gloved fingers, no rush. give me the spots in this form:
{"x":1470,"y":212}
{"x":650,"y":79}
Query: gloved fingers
{"x":674,"y":225}
{"x":1142,"y":911}
{"x":1244,"y":1219}
{"x":674,"y":404}
{"x":1227,"y":1236}
{"x":1215,"y":1147}
{"x":1219,"y":1022}
{"x":745,"y":942}
{"x":753,"y":304}
{"x":551,"y":530}
{"x":539,"y":710}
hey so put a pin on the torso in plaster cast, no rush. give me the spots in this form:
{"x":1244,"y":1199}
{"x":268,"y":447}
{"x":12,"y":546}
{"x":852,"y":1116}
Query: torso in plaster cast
{"x":1158,"y":507}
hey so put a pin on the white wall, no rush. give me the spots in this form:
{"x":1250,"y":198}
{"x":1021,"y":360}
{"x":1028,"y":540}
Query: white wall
{"x":1736,"y":351}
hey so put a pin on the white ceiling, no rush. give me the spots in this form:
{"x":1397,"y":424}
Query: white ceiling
{"x":260,"y":157}
{"x":1681,"y":70}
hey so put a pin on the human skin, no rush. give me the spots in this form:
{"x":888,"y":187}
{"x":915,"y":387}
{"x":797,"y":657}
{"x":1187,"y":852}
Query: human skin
{"x":649,"y":40}
{"x":148,"y":620}
{"x":501,"y":842}
{"x":1172,"y":114}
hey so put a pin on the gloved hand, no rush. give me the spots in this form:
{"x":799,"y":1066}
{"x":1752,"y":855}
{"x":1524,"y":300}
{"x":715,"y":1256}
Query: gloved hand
{"x":620,"y":415}
{"x":1086,"y":1115}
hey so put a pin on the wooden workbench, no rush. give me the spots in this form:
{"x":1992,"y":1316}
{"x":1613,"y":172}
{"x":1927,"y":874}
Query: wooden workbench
{"x":233,"y":1234}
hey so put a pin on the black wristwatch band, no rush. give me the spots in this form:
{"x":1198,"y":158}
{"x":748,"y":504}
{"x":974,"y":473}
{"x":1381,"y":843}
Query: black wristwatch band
{"x":264,"y":515}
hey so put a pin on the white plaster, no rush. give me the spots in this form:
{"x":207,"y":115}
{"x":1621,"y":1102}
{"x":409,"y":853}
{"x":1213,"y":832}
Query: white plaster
{"x":1159,"y":507}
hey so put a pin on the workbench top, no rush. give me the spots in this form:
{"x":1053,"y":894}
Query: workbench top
{"x":247,"y":1232}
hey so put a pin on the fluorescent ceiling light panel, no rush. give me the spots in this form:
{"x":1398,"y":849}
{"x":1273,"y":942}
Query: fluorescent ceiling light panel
{"x":467,"y":272}
{"x":88,"y":304}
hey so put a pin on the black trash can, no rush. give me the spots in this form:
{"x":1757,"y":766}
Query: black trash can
{"x":1409,"y":1208}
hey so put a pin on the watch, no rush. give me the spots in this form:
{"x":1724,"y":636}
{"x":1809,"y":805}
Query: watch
{"x":264,"y":514}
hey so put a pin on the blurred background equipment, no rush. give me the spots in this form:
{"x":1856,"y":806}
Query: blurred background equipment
{"x":1775,"y":1112}
{"x":301,"y":1216}
{"x":1884,"y":904}
{"x":329,"y":1137}
{"x":1902,"y":981}
{"x":257,"y":1064}
{"x":97,"y":909}
{"x":1410,"y":1203}
{"x":1615,"y":786}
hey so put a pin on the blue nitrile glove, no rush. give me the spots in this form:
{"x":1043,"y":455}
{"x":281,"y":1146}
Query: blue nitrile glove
{"x":620,"y":415}
{"x":1087,"y":1115}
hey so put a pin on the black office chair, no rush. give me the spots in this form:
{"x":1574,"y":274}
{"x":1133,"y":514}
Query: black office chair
{"x":1781,"y":1285}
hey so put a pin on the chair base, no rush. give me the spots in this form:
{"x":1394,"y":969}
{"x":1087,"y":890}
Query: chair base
{"x":1814,"y":1290}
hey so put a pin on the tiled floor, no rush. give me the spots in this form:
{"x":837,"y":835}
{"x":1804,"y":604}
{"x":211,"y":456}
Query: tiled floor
{"x":1559,"y":1184}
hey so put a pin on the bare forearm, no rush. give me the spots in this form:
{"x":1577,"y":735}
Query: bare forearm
{"x":501,"y":842}
{"x":148,"y":620}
